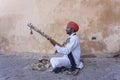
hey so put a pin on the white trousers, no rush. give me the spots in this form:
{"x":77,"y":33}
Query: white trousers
{"x":59,"y":62}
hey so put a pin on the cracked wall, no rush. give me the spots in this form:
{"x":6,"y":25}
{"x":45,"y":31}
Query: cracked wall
{"x":99,"y":22}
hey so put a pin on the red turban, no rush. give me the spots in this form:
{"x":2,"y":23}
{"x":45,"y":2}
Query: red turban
{"x":73,"y":25}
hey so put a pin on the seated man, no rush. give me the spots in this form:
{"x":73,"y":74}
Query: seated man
{"x":71,"y":51}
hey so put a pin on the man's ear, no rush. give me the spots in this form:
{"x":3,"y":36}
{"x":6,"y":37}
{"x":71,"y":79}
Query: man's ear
{"x":72,"y":30}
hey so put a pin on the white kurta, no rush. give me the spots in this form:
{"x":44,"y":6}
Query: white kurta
{"x":73,"y":45}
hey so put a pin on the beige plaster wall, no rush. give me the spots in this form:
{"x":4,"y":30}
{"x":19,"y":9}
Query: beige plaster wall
{"x":96,"y":18}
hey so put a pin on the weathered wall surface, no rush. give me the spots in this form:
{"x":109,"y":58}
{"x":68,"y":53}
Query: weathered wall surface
{"x":98,"y":19}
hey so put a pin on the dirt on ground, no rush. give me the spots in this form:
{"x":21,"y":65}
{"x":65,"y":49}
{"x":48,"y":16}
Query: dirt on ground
{"x":97,"y":67}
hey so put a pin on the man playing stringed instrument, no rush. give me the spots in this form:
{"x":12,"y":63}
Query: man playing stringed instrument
{"x":71,"y":51}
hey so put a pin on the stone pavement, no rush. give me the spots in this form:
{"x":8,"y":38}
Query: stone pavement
{"x":12,"y":67}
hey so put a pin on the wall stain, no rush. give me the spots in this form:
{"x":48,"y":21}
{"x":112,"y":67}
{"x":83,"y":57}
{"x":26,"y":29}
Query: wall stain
{"x":4,"y":44}
{"x":57,"y":29}
{"x":68,"y":3}
{"x":89,"y":46}
{"x":8,"y":22}
{"x":108,"y":14}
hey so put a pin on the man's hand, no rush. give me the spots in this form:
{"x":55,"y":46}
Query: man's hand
{"x":53,"y":43}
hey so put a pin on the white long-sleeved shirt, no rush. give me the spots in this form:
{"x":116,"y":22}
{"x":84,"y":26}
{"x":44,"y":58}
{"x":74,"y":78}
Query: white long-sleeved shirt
{"x":72,"y":46}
